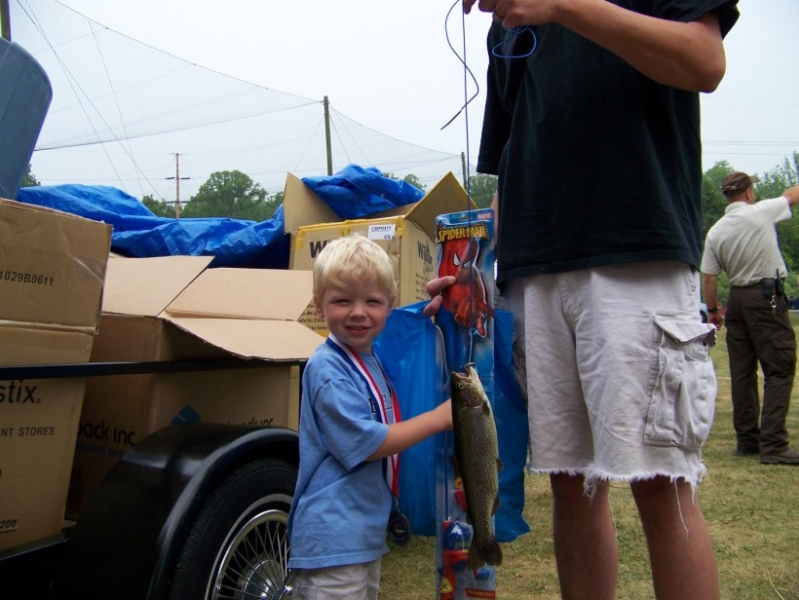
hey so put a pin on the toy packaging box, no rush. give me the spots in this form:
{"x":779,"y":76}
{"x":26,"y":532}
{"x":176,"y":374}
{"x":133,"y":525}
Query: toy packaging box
{"x":464,"y":243}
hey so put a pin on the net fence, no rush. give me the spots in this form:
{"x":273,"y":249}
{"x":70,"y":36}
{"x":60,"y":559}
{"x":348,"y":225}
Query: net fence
{"x":130,"y":116}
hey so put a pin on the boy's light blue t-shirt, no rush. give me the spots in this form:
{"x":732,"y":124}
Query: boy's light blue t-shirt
{"x":341,"y":504}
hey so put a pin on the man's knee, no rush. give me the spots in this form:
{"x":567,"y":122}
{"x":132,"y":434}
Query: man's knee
{"x":570,"y":492}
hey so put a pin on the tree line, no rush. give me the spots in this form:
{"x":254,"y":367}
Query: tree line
{"x":233,"y":194}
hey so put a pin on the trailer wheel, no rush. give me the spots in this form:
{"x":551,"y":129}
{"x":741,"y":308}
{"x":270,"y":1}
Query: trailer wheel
{"x":238,"y":547}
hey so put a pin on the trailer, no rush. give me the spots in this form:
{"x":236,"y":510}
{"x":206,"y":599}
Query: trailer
{"x":191,"y":511}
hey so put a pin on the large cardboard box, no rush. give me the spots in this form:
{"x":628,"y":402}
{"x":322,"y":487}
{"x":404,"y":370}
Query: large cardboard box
{"x":173,"y":309}
{"x":407,"y":233}
{"x":52,"y":268}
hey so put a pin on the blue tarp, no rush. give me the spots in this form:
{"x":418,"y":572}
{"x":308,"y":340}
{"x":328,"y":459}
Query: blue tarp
{"x":139,"y":233}
{"x":354,"y":192}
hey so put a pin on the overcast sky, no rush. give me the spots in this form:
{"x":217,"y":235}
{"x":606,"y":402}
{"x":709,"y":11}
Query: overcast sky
{"x":388,"y":66}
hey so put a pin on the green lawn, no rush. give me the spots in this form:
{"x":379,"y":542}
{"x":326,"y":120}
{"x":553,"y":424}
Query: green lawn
{"x":752,"y":511}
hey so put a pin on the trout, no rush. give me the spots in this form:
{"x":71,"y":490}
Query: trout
{"x":477,"y":463}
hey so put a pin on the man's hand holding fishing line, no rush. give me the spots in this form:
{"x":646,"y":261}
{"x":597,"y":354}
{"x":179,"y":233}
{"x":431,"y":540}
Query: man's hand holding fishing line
{"x":515,"y":13}
{"x":685,"y":55}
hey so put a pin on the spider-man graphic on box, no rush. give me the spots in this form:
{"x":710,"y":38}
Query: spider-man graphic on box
{"x":464,"y":245}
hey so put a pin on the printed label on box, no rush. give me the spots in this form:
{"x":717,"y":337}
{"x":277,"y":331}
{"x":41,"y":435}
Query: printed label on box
{"x":383,"y":231}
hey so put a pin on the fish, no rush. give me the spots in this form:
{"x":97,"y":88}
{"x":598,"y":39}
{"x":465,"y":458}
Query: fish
{"x":476,"y":462}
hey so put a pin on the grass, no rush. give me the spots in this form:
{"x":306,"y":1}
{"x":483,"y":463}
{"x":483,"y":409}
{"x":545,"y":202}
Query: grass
{"x":751,"y":509}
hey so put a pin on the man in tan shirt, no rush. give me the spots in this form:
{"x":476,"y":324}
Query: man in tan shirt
{"x":743,"y":244}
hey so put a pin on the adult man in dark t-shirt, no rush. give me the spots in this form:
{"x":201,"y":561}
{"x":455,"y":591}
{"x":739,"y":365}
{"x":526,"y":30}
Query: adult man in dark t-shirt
{"x":595,"y":139}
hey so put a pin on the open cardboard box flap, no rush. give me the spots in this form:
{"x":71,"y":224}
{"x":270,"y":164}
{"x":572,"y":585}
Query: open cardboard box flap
{"x":269,"y":340}
{"x":272,"y":294}
{"x":251,"y":313}
{"x":146,"y":286}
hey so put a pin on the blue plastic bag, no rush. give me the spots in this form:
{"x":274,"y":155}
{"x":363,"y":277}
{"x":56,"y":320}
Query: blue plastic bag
{"x":417,"y":377}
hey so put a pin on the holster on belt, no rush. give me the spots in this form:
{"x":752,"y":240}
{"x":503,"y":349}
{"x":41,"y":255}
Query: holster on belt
{"x":772,"y":286}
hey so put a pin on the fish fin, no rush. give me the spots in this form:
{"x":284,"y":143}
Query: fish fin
{"x":497,"y":504}
{"x":500,"y":466}
{"x":488,"y":554}
{"x":493,"y":554}
{"x":475,"y":560}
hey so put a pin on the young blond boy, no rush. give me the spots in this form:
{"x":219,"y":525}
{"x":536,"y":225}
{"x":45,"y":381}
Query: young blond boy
{"x":350,"y":430}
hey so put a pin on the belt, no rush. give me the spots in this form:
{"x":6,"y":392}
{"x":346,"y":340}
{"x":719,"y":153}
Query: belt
{"x":766,"y":281}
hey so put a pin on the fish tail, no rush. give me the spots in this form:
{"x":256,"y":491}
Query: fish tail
{"x":487,"y":554}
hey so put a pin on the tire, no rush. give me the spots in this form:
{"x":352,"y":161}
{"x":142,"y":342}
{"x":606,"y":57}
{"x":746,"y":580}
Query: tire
{"x":238,"y":546}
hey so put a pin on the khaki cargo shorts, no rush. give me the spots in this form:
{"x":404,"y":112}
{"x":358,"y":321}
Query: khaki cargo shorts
{"x":620,"y":382}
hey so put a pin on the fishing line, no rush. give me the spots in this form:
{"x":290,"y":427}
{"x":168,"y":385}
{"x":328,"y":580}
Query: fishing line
{"x":466,"y":72}
{"x":515,"y":31}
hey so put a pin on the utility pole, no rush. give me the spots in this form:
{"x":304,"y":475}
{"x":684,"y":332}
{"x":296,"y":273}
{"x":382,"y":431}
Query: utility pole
{"x":177,"y":179}
{"x":327,"y":138}
{"x":5,"y":20}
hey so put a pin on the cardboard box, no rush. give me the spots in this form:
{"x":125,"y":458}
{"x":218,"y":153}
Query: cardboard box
{"x":52,"y":268}
{"x":407,"y":233}
{"x":172,"y":308}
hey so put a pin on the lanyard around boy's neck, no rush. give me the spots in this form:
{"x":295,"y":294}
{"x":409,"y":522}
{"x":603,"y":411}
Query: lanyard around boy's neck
{"x":378,"y":405}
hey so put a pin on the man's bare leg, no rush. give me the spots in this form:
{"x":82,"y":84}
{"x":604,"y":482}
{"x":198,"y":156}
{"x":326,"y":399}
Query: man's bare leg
{"x":680,"y":548}
{"x":585,"y":540}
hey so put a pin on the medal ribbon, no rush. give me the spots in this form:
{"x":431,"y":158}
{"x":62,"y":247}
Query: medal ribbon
{"x":378,"y":406}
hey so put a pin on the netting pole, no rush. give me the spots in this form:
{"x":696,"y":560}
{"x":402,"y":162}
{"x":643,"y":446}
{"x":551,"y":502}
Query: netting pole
{"x":327,"y":138}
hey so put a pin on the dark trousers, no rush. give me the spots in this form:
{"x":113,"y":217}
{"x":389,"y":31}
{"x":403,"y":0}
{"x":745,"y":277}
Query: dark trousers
{"x":756,"y":333}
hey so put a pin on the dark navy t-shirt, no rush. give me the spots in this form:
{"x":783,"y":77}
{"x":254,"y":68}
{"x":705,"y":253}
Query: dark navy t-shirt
{"x":597,"y":163}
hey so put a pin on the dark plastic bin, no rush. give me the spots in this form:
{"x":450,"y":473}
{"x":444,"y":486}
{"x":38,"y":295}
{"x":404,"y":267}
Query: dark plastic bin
{"x":25,"y":95}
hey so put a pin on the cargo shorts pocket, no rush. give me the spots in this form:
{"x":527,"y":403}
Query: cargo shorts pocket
{"x":682,"y":386}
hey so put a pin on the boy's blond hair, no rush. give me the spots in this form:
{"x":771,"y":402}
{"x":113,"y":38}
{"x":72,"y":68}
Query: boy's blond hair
{"x":352,"y":258}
